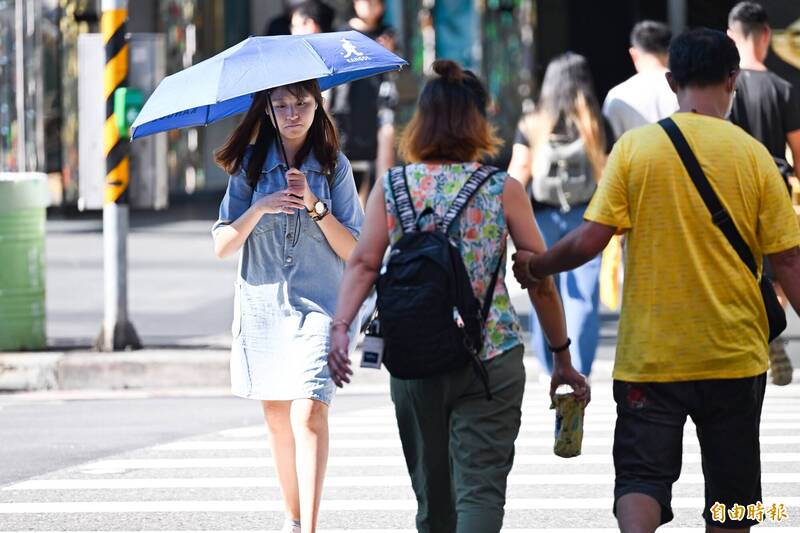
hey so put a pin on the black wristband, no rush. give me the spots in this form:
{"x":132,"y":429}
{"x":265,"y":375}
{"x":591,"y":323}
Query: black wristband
{"x":557,"y":349}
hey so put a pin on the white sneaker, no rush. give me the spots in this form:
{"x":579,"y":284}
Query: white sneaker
{"x":291,"y":526}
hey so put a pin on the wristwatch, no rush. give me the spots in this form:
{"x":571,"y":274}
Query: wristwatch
{"x":319,"y":211}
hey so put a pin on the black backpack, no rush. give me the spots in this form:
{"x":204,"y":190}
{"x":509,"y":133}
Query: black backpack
{"x":430,"y":320}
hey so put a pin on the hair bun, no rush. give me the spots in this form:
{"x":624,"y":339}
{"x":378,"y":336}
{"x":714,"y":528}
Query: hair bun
{"x":448,"y":70}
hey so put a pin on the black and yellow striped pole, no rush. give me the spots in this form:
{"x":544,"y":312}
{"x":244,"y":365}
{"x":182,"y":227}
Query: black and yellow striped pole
{"x":117,"y":332}
{"x":115,"y":148}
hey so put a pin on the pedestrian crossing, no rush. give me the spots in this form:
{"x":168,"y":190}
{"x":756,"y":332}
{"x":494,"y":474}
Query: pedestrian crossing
{"x":224,"y":481}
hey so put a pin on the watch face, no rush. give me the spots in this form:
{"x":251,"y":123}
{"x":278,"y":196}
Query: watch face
{"x":319,"y":207}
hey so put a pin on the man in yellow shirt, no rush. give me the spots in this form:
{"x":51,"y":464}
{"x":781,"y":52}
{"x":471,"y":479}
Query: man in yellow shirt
{"x":693,"y":328}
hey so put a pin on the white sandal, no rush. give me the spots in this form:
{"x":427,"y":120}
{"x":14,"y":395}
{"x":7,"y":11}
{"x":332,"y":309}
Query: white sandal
{"x":291,"y":526}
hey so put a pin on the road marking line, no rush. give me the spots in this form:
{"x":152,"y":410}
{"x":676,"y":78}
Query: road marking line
{"x":391,"y":428}
{"x":338,"y":481}
{"x":505,"y":530}
{"x":790,"y":419}
{"x":394,"y":443}
{"x":785,"y":406}
{"x":367,"y":461}
{"x":242,"y":506}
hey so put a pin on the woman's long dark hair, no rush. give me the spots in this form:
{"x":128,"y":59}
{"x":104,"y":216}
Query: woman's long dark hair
{"x":322,"y":137}
{"x":568,"y":94}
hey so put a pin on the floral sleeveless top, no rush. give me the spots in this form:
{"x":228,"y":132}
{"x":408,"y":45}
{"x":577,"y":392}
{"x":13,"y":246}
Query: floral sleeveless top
{"x":479,"y":231}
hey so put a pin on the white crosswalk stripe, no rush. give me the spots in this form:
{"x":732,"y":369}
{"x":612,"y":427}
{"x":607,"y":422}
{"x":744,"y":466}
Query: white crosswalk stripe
{"x":225,"y":481}
{"x":783,"y":529}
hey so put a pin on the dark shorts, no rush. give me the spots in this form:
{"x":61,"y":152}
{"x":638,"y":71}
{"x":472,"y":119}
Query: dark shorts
{"x":648,"y":441}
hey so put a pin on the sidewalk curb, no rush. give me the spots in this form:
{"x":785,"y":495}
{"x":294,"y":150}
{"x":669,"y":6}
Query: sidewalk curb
{"x":143,"y":369}
{"x":81,"y":374}
{"x":171,"y":369}
{"x":34,"y":371}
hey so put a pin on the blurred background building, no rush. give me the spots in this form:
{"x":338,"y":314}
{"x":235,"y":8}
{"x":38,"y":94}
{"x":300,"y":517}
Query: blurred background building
{"x":509,"y":42}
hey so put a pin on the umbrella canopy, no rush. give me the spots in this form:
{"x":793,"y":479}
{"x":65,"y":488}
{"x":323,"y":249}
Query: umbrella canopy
{"x":223,"y":85}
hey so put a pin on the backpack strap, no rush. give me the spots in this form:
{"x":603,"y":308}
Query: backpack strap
{"x":402,"y":198}
{"x":478,"y":365}
{"x":487,"y":302}
{"x":468,"y":190}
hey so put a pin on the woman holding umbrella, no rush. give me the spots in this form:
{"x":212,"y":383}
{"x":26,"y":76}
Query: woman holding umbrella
{"x":295,"y":225}
{"x":292,"y":212}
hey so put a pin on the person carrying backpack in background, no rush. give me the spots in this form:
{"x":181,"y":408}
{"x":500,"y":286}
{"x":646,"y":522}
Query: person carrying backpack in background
{"x":561,"y":149}
{"x":458,"y":446}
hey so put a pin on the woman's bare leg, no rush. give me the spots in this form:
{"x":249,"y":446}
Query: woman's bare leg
{"x":310,"y":426}
{"x":281,"y":441}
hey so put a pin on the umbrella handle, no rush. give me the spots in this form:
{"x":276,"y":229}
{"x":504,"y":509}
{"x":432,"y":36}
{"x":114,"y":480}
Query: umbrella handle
{"x":277,"y":130}
{"x":280,"y":142}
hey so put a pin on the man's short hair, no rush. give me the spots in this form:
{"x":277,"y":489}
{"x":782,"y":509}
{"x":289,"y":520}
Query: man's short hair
{"x":750,"y":16}
{"x":702,"y":57}
{"x":651,"y":37}
{"x":320,"y":12}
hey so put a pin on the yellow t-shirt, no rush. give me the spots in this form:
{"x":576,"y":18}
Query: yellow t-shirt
{"x":690,"y":307}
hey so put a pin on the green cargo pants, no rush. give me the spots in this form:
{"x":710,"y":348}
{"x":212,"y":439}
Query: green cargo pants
{"x":458,"y":446}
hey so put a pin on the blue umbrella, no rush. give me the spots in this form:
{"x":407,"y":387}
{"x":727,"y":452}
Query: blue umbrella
{"x":224,"y":84}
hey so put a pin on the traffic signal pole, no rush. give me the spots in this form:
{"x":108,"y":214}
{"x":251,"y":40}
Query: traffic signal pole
{"x":117,"y":332}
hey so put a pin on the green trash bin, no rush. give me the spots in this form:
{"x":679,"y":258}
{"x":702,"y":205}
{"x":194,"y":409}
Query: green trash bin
{"x":23,"y":201}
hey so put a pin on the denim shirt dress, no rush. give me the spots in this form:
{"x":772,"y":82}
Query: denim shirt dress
{"x":287,"y":284}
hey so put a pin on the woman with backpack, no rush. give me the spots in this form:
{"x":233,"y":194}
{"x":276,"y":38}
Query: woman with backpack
{"x":458,"y":445}
{"x":296,"y":224}
{"x":561,"y":150}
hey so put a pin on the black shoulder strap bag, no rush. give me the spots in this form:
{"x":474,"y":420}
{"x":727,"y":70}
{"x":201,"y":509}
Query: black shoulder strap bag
{"x":722,"y":220}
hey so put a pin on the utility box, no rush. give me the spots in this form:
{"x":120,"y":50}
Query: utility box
{"x":148,"y":187}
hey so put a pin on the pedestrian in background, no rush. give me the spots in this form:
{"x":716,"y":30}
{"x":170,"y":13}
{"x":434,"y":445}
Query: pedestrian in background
{"x":458,"y":446}
{"x":561,"y":149}
{"x":768,"y":108}
{"x":282,"y":24}
{"x":363,"y":109}
{"x":312,"y":16}
{"x":645,"y":97}
{"x":296,"y":222}
{"x":693,"y":328}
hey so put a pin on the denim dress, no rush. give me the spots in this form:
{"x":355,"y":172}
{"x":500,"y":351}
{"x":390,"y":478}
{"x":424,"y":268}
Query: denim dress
{"x":287,"y":284}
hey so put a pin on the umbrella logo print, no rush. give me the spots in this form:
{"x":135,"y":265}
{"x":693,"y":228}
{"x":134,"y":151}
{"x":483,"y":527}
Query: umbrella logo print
{"x":350,"y":51}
